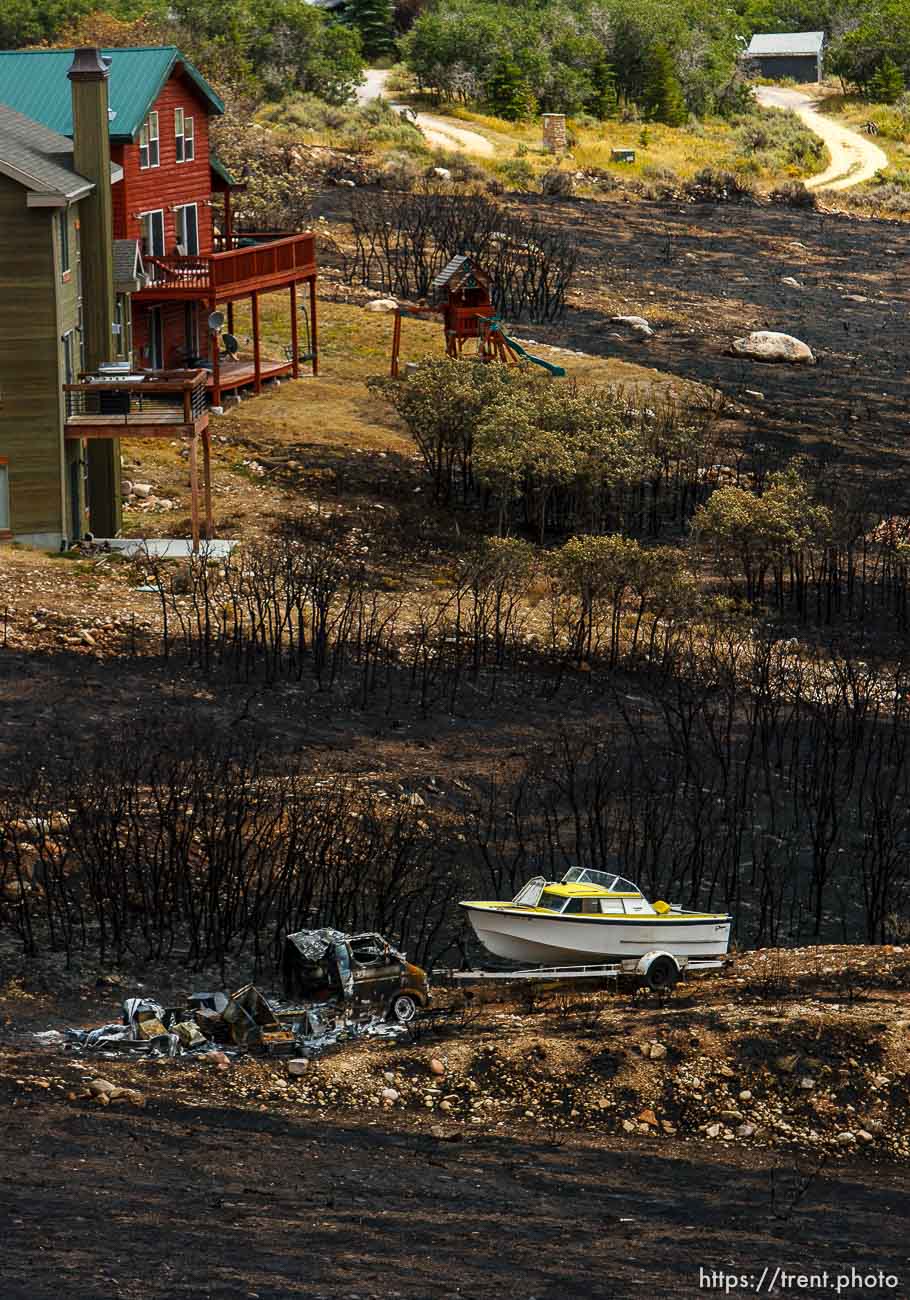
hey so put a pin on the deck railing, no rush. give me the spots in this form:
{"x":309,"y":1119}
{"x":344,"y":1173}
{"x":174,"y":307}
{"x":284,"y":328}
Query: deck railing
{"x":249,"y":262}
{"x":165,"y":397}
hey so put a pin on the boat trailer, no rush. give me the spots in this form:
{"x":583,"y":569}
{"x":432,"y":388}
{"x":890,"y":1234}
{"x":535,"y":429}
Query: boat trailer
{"x":658,"y":971}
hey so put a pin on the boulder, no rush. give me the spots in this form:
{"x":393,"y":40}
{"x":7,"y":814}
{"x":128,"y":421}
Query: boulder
{"x":768,"y":345}
{"x":382,"y":304}
{"x":437,"y":1066}
{"x":142,"y":490}
{"x":442,"y":173}
{"x":636,"y":325}
{"x":791,"y":282}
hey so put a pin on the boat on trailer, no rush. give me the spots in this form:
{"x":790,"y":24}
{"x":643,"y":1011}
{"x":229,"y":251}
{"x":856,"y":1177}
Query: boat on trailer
{"x":594,"y":916}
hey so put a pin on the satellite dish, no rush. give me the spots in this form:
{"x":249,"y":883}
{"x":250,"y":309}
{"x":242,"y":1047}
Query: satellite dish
{"x":216,"y":320}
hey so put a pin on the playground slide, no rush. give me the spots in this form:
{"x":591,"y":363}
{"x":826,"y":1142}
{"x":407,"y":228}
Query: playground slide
{"x":549,"y":366}
{"x":514,"y":346}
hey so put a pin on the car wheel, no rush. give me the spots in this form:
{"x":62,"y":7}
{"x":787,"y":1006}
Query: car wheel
{"x":403,"y":1009}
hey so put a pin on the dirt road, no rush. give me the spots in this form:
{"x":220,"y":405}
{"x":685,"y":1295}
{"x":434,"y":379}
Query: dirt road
{"x":854,"y":159}
{"x":440,"y":132}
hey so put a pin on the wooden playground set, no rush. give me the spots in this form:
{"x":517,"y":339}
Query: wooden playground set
{"x":460,"y":294}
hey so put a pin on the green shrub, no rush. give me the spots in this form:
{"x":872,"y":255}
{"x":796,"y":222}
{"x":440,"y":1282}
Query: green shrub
{"x":793,"y":194}
{"x":557,"y":183}
{"x":517,"y":172}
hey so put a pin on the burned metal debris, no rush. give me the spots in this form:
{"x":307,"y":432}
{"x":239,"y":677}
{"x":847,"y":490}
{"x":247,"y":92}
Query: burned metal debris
{"x":340,"y":987}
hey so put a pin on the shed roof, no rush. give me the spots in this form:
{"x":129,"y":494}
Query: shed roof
{"x":128,"y":269}
{"x":34,"y":82}
{"x":37,"y":158}
{"x":786,"y":43}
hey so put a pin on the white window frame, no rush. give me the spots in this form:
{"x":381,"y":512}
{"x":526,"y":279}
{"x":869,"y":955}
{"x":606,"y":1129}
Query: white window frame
{"x":143,"y":216}
{"x":4,"y":496}
{"x":184,"y":136}
{"x":183,"y":243}
{"x":149,"y":143}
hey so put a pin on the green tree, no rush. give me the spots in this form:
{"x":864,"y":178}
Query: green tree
{"x":507,"y":92}
{"x":752,"y":535}
{"x":375,"y":21}
{"x":604,"y":101}
{"x":887,"y":84}
{"x":662,"y":96}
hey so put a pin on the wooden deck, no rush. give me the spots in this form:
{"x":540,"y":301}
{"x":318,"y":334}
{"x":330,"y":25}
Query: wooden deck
{"x":239,"y":374}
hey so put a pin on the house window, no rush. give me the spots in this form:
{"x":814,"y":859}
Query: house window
{"x":184,"y":136}
{"x":148,"y":142}
{"x":63,"y":241}
{"x":188,"y":230}
{"x":151,"y":226}
{"x":4,"y":497}
{"x":69,"y":357}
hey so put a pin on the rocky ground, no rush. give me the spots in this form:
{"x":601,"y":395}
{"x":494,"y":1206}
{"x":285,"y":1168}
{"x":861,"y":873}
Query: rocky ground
{"x":773,"y":1099}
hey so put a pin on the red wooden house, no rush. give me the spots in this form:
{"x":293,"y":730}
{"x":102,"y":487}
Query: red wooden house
{"x":174,"y":198}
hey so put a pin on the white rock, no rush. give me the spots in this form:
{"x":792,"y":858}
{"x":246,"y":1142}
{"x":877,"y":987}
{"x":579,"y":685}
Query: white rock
{"x":635,"y":324}
{"x":347,"y":184}
{"x":142,"y":489}
{"x":299,"y":1065}
{"x":443,"y":173}
{"x":389,"y":1094}
{"x":791,"y":281}
{"x":846,"y":1138}
{"x":768,"y":345}
{"x":382,"y":304}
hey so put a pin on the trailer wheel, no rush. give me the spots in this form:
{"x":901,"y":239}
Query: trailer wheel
{"x":661,"y":974}
{"x":403,"y":1009}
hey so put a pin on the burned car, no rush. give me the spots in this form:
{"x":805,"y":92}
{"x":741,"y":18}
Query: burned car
{"x":361,"y":970}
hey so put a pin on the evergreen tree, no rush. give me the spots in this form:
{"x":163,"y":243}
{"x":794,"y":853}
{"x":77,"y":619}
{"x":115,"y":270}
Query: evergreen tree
{"x":887,"y":83}
{"x":605,"y":101}
{"x":507,"y":92}
{"x":375,"y":21}
{"x":663,"y":96}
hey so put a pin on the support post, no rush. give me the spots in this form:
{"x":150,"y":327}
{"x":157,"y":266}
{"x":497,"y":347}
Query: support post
{"x":230,"y":318}
{"x":396,"y":345}
{"x":257,"y":362}
{"x":295,"y":361}
{"x":194,"y":492}
{"x":207,"y":484}
{"x":314,"y":333}
{"x":228,"y":222}
{"x":215,"y":342}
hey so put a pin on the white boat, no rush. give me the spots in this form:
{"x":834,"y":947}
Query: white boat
{"x":592,"y":917}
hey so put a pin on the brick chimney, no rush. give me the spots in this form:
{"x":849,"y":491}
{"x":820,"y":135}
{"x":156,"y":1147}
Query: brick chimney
{"x":88,"y":76}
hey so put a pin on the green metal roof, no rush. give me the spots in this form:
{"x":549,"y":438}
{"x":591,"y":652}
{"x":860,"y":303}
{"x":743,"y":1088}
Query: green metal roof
{"x":219,"y":169}
{"x":34,"y":82}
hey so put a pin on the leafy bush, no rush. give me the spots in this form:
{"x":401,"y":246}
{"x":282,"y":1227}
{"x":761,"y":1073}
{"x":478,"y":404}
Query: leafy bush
{"x":400,"y":172}
{"x":776,"y":139}
{"x":793,"y":194}
{"x":557,"y":183}
{"x":714,"y":185}
{"x":517,"y":172}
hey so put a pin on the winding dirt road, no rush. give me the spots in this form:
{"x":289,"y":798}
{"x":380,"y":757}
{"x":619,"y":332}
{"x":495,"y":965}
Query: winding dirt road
{"x":854,"y":158}
{"x":440,"y":132}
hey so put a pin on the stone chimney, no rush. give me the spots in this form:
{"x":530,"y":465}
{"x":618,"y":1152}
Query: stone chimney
{"x":555,"y":139}
{"x":92,"y":159}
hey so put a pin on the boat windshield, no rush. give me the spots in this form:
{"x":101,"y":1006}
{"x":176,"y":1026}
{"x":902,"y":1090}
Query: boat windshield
{"x":587,"y":876}
{"x":552,"y":902}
